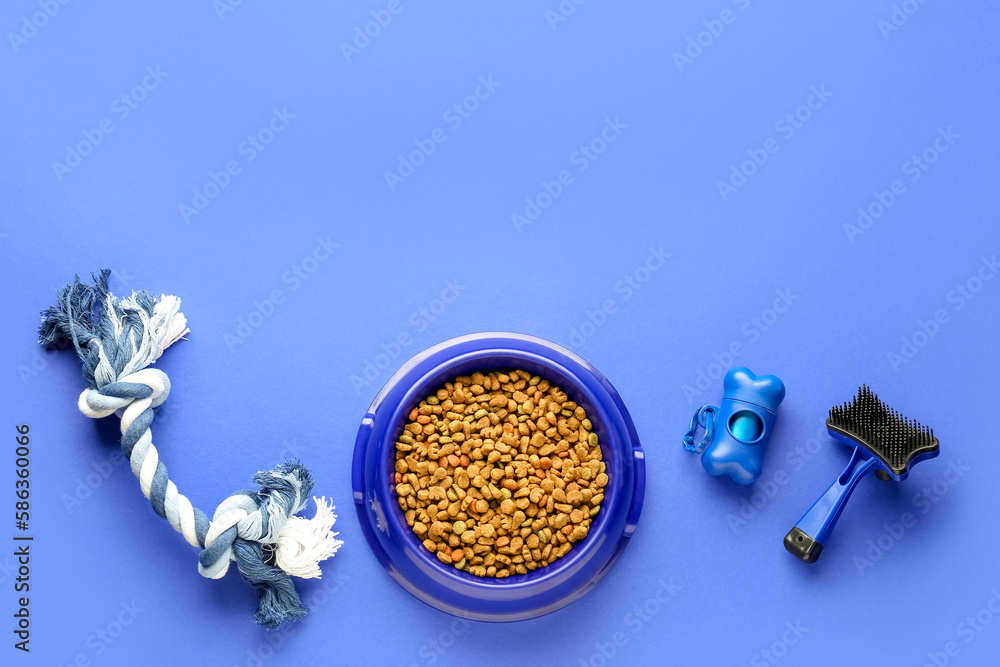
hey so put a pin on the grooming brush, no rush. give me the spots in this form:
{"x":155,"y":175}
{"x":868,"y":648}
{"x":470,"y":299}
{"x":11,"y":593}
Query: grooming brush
{"x":884,"y":441}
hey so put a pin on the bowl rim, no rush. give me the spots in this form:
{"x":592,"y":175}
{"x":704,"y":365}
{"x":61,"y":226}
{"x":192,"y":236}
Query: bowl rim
{"x":620,"y":503}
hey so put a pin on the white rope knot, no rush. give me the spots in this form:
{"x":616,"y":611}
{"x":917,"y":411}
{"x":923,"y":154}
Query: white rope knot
{"x":299,"y":546}
{"x":268,"y":518}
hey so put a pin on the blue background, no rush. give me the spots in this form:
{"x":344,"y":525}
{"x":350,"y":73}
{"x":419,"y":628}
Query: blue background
{"x":256,"y":381}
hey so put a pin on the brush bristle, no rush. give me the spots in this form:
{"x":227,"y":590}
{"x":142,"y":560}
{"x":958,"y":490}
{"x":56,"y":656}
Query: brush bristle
{"x":882,"y":430}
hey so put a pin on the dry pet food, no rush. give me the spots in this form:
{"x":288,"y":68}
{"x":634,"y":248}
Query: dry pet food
{"x":499,"y":473}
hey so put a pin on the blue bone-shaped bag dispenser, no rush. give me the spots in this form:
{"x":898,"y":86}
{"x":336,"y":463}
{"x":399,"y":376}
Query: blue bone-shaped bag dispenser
{"x":736,"y":433}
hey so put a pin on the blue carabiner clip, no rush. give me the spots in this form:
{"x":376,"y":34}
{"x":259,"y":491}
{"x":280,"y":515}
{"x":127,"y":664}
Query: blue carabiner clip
{"x":704,"y":417}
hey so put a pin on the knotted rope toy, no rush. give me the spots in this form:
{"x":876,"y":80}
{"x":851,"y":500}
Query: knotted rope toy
{"x":116,"y":340}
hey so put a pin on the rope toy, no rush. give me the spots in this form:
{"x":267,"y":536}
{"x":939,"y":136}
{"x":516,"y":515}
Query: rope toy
{"x":116,"y":340}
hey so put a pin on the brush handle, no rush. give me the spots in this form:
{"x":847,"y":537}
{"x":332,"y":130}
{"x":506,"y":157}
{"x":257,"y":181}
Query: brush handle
{"x":805,"y":541}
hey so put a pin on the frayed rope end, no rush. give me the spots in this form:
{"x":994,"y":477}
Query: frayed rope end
{"x":304,"y":543}
{"x":168,"y":324}
{"x":277,"y":600}
{"x":113,"y":337}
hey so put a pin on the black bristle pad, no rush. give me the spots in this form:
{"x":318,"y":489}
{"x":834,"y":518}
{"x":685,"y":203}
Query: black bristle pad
{"x":881,"y":429}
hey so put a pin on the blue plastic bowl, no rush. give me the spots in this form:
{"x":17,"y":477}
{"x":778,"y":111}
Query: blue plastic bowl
{"x":516,"y":597}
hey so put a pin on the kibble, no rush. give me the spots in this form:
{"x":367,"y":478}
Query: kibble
{"x":499,"y":473}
